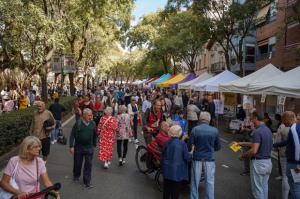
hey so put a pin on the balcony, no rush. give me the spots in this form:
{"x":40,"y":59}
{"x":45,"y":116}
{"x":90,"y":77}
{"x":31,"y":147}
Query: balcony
{"x":217,"y":67}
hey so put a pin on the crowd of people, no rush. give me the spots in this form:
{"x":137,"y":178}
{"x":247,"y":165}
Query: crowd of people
{"x":180,"y":126}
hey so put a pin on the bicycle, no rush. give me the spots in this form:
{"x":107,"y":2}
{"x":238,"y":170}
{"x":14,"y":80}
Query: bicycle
{"x":148,"y":161}
{"x":47,"y":193}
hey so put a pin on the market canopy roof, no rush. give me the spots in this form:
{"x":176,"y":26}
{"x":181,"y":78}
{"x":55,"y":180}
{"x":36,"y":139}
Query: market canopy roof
{"x":187,"y":78}
{"x":286,"y":84}
{"x":163,"y":78}
{"x":212,"y":84}
{"x":138,"y":82}
{"x":200,"y":78}
{"x":173,"y":80}
{"x":151,"y":80}
{"x":242,"y":85}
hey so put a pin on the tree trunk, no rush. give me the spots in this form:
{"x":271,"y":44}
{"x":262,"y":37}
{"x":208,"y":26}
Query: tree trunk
{"x":165,"y":65}
{"x":44,"y":92}
{"x":72,"y":85}
{"x":88,"y":81}
{"x":240,"y":57}
{"x":83,"y":84}
{"x":227,"y":61}
{"x":93,"y":82}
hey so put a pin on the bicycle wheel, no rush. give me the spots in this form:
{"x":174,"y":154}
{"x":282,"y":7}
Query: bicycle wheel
{"x":159,"y":180}
{"x":141,"y":157}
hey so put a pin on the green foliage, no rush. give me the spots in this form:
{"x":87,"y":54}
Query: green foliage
{"x":14,"y":126}
{"x":226,"y":19}
{"x":171,"y":37}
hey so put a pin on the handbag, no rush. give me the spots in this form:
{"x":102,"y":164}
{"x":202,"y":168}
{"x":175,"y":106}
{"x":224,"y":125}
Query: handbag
{"x":6,"y":195}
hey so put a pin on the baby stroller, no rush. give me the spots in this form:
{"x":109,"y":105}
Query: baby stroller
{"x":61,"y":139}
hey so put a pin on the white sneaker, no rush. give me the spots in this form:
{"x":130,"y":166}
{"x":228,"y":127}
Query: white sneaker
{"x":123,"y":161}
{"x":108,"y":162}
{"x":55,"y":141}
{"x":136,"y":141}
{"x":52,"y":142}
{"x":105,"y":165}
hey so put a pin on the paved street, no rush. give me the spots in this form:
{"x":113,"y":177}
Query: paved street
{"x":126,"y":182}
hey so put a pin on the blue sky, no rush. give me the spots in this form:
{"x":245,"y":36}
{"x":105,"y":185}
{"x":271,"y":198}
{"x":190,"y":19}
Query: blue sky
{"x":143,"y":7}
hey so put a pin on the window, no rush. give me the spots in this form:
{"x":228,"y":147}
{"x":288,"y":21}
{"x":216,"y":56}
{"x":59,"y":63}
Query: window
{"x":273,"y":10}
{"x":263,"y":51}
{"x":250,"y":54}
{"x":272,"y":43}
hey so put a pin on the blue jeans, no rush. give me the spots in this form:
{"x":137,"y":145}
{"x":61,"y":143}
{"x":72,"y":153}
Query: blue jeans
{"x":294,"y":187}
{"x":260,"y":171}
{"x":209,"y":172}
{"x":55,"y":131}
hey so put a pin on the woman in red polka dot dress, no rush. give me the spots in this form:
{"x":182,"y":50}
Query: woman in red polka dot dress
{"x":106,"y":132}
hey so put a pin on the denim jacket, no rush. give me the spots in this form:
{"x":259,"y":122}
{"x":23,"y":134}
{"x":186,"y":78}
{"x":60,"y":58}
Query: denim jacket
{"x":174,"y":160}
{"x":206,"y":140}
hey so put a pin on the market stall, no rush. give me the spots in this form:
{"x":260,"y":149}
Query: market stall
{"x":170,"y":81}
{"x":212,"y":84}
{"x":200,"y":78}
{"x":242,"y":85}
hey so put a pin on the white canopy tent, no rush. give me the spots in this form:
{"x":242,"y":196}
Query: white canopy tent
{"x":139,"y":82}
{"x":286,"y":84}
{"x":200,"y":78}
{"x":242,"y":85}
{"x":212,"y":84}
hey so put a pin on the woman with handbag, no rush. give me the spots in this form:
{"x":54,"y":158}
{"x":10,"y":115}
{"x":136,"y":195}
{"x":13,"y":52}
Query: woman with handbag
{"x":123,"y":134}
{"x":106,"y":128}
{"x":23,"y":172}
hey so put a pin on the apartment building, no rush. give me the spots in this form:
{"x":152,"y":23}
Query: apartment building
{"x":278,"y":34}
{"x":211,"y":59}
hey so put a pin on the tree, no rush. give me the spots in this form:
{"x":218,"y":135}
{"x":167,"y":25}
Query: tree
{"x":226,"y":19}
{"x":30,"y":35}
{"x":185,"y":35}
{"x":145,"y":35}
{"x":86,"y":20}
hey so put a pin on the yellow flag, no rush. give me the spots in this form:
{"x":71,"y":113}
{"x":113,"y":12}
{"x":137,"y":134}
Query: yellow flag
{"x":235,"y":146}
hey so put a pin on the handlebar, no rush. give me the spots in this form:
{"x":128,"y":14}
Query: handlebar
{"x":44,"y":192}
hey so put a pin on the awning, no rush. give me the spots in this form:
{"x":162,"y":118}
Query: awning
{"x":161,"y":79}
{"x":262,"y":14}
{"x":212,"y":84}
{"x":242,"y":85}
{"x":174,"y":80}
{"x":187,"y":78}
{"x":286,"y":84}
{"x":151,"y":80}
{"x":200,"y":78}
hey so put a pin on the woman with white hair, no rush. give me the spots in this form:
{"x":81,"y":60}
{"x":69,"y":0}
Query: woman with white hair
{"x":124,"y":133}
{"x":174,"y":162}
{"x":106,"y":128}
{"x":25,"y":169}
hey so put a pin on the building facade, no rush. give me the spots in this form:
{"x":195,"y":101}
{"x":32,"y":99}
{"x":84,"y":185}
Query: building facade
{"x":211,"y":59}
{"x":278,"y":35}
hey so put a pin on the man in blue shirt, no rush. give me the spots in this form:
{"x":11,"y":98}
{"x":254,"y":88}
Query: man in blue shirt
{"x":205,"y":141}
{"x":260,"y":154}
{"x":292,"y":150}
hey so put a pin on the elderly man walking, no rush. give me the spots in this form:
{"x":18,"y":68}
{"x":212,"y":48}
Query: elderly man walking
{"x":205,"y":141}
{"x":292,"y":151}
{"x":82,"y":141}
{"x":42,"y":124}
{"x":260,"y":154}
